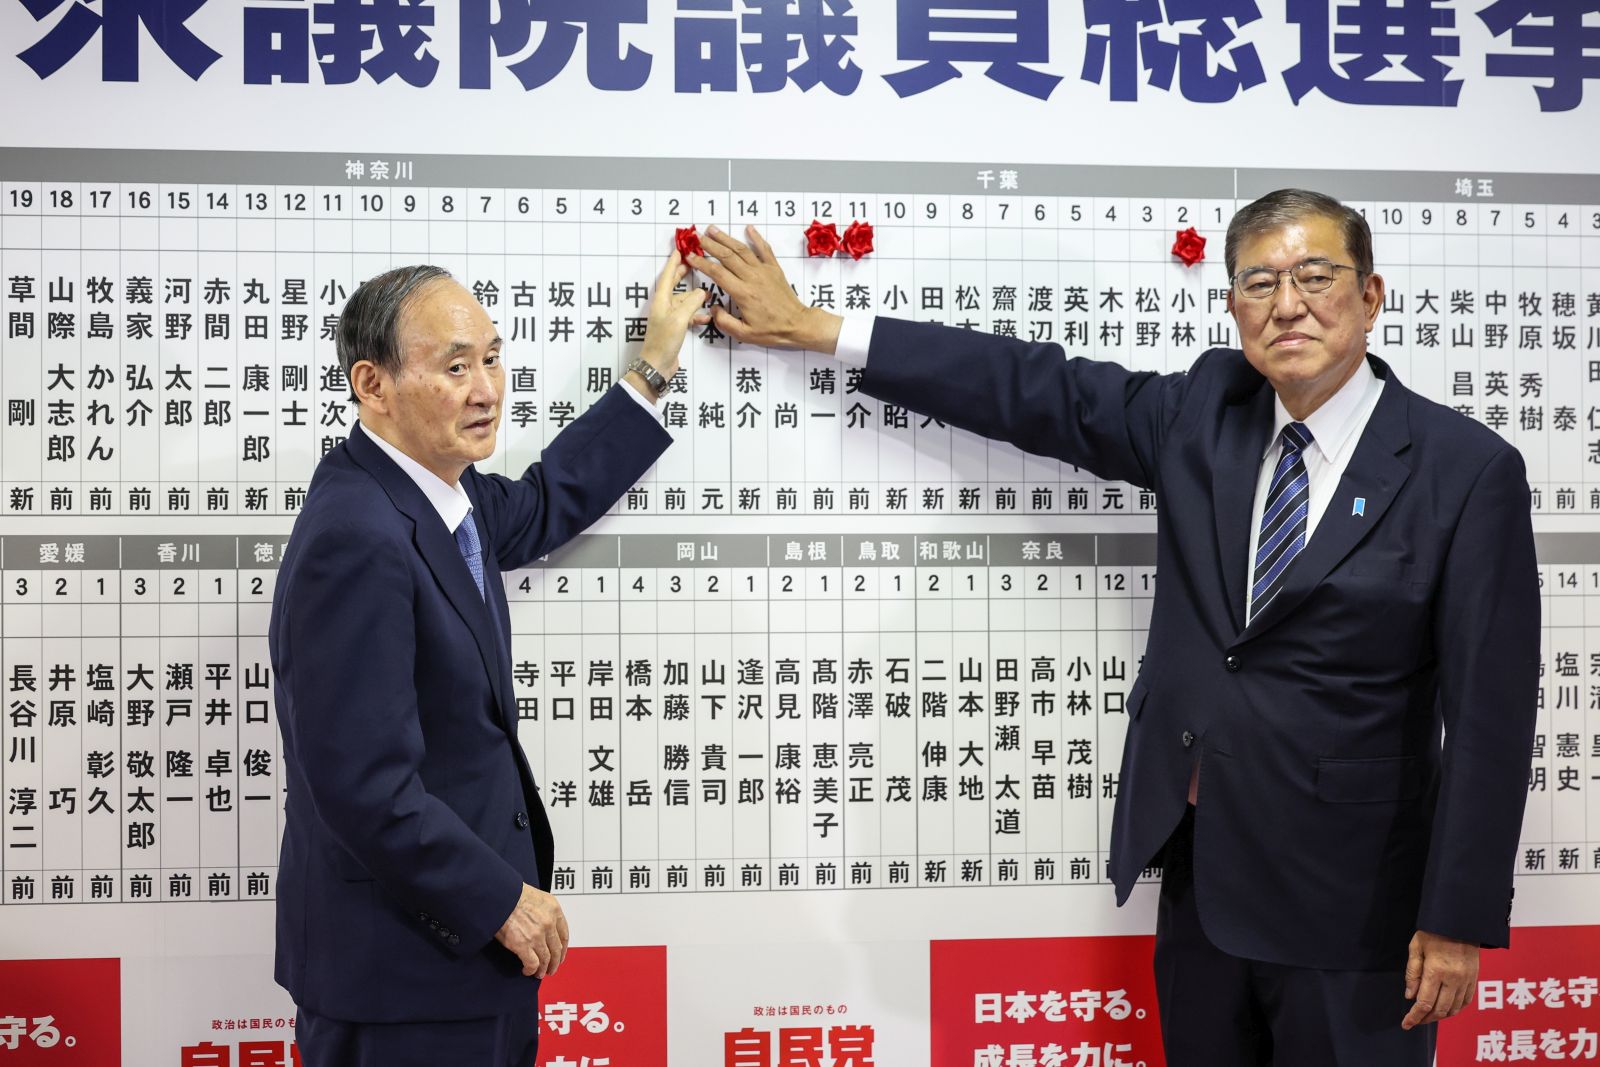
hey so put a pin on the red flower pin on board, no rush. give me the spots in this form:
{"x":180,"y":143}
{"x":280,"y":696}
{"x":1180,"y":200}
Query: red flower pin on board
{"x":688,"y":242}
{"x":822,"y":240}
{"x":1189,"y":247}
{"x":857,"y":239}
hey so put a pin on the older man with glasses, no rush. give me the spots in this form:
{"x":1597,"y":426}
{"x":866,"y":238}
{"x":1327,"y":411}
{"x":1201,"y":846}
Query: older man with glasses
{"x":1329,"y":737}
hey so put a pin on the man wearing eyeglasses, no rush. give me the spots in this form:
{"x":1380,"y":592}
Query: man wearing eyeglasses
{"x":1329,"y":737}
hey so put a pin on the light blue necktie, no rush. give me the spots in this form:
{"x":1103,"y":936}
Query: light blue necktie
{"x":471,"y":550}
{"x":1284,"y":520}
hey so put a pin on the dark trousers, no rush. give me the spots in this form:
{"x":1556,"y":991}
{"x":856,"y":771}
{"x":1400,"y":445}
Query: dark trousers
{"x":496,"y":1041}
{"x":1219,"y":1010}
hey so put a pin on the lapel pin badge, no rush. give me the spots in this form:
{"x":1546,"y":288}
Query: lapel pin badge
{"x":1359,"y":507}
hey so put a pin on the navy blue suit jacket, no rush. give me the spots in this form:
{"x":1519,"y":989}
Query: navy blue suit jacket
{"x":1331,"y":823}
{"x":412,"y":818}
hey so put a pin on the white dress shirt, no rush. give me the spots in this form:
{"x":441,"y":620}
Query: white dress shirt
{"x":854,"y":338}
{"x":646,"y":403}
{"x":450,"y":501}
{"x":1335,"y":428}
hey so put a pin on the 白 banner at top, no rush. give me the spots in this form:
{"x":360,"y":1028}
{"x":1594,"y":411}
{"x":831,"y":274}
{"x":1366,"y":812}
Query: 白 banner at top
{"x":1284,"y":83}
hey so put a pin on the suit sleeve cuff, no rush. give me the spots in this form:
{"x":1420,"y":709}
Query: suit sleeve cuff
{"x":855,"y":337}
{"x":644,"y":402}
{"x":476,"y":932}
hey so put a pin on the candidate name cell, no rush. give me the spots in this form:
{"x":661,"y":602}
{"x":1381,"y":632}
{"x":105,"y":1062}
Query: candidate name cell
{"x":719,"y":713}
{"x":169,"y":344}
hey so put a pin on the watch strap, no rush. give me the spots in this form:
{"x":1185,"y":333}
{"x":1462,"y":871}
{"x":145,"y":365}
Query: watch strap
{"x":651,"y":376}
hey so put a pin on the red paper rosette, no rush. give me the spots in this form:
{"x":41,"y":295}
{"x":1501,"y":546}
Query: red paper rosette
{"x":822,"y":239}
{"x":1189,"y":247}
{"x":688,"y":242}
{"x":857,"y":239}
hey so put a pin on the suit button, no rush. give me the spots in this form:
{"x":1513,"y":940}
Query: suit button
{"x":1188,"y":739}
{"x":422,"y":916}
{"x":1232,"y":663}
{"x":521,"y":820}
{"x":455,"y":939}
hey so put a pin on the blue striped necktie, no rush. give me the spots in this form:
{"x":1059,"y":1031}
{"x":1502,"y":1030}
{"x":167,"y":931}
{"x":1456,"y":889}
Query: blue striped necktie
{"x":1284,"y":520}
{"x":471,"y":550}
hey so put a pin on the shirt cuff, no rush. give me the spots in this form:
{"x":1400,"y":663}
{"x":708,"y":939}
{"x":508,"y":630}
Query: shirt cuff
{"x":645,"y":402}
{"x":855,"y":337}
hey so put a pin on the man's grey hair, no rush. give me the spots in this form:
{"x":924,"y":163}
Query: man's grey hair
{"x":369,"y":326}
{"x":1279,"y":209}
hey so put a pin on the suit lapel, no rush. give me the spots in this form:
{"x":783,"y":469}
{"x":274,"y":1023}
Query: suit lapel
{"x":499,"y":618}
{"x":1375,"y":475}
{"x":437,"y":546}
{"x":1246,"y":422}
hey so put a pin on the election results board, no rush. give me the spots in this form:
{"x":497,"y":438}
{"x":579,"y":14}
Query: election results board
{"x":826,"y":646}
{"x":828,"y":712}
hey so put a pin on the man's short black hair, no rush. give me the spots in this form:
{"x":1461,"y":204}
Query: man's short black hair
{"x":370,"y":323}
{"x":1285,"y":206}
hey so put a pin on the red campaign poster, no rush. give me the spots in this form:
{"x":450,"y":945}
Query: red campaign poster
{"x":1537,"y":1002}
{"x":60,"y":1013}
{"x":605,"y":1007}
{"x":1063,"y":1000}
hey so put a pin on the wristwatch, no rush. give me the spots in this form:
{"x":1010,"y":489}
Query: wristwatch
{"x":651,"y":376}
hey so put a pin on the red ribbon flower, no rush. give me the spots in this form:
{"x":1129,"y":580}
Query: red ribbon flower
{"x":688,"y":243}
{"x":821,"y":240}
{"x":1189,"y":247}
{"x":857,"y":239}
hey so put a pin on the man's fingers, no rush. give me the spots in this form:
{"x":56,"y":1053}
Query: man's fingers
{"x":1463,"y":995}
{"x":671,"y":271}
{"x":759,"y":243}
{"x":714,"y":270}
{"x":1413,"y":972}
{"x":680,"y":305}
{"x":555,"y":950}
{"x":667,"y":281}
{"x":1444,"y":1005}
{"x":735,"y":246}
{"x":686,"y":308}
{"x":554,"y":947}
{"x":730,"y":324}
{"x":720,"y":245}
{"x":1429,"y":996}
{"x":1441,"y":974}
{"x":669,"y":267}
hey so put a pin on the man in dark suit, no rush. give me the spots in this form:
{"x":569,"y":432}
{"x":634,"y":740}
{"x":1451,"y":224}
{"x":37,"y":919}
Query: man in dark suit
{"x":1346,"y":572}
{"x":414,"y":917}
